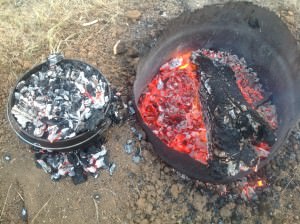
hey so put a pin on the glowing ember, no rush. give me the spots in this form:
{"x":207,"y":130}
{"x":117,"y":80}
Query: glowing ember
{"x":262,"y":149}
{"x":171,"y":105}
{"x":171,"y":108}
{"x":249,"y":188}
{"x":260,"y":183}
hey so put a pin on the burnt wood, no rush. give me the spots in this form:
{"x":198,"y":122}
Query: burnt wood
{"x":232,"y":125}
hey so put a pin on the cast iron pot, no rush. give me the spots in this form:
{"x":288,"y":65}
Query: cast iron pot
{"x":243,"y":29}
{"x":81,"y":140}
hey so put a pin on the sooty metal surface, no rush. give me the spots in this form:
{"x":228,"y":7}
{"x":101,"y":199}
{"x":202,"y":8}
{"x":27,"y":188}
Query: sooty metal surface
{"x":248,"y":31}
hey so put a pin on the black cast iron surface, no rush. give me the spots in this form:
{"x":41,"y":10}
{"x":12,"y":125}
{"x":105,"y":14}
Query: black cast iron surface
{"x":82,"y":139}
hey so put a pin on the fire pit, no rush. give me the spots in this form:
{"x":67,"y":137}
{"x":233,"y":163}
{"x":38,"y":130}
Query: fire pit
{"x":217,"y":96}
{"x":61,"y":104}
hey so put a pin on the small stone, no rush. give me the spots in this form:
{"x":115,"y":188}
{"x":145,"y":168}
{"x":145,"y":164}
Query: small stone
{"x":24,"y":214}
{"x":144,"y":221}
{"x":277,"y":188}
{"x":288,"y":17}
{"x":133,"y":14}
{"x":129,"y":216}
{"x":166,"y":169}
{"x":226,"y":211}
{"x":96,"y":196}
{"x":149,"y":209}
{"x":297,"y":217}
{"x":199,"y":201}
{"x":27,"y":64}
{"x":141,"y":203}
{"x":174,"y":191}
{"x":136,"y":159}
{"x":290,"y":206}
{"x":7,"y":157}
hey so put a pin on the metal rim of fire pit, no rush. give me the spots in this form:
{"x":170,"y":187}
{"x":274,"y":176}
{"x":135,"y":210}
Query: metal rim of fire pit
{"x":62,"y":145}
{"x":236,"y":23}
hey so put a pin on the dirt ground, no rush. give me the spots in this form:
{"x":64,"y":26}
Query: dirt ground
{"x":149,"y":192}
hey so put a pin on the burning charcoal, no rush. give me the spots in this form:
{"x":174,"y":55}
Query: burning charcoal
{"x":131,"y":110}
{"x":215,"y":93}
{"x":71,"y":172}
{"x":92,"y":149}
{"x":65,"y":170}
{"x":73,"y":159}
{"x":133,"y":129}
{"x":61,"y":100}
{"x":137,"y":134}
{"x":112,"y":168}
{"x":137,"y":157}
{"x":232,"y":168}
{"x":76,"y":164}
{"x":129,"y":146}
{"x":173,"y":109}
{"x":54,"y":161}
{"x":44,"y":166}
{"x":91,"y":169}
{"x":118,"y":111}
{"x":40,"y":155}
{"x":99,"y":154}
{"x":80,"y":176}
{"x":100,"y":163}
{"x":55,"y":177}
{"x":20,"y":85}
{"x":22,"y":117}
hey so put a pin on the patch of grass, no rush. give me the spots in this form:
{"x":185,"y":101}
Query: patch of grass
{"x":29,"y":30}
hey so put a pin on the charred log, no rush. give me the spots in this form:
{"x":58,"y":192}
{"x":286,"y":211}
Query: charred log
{"x":233,"y":126}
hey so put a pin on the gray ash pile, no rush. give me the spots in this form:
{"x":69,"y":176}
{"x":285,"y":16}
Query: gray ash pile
{"x":61,"y":100}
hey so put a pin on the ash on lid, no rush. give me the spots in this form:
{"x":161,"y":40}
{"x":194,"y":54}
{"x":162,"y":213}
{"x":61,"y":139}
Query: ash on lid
{"x":61,"y":100}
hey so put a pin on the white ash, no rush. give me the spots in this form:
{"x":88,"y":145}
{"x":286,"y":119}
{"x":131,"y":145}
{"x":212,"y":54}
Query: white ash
{"x":61,"y":100}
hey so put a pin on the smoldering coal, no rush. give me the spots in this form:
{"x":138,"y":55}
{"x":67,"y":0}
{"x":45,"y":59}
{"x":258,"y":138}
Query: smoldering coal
{"x":61,"y":100}
{"x":77,"y":164}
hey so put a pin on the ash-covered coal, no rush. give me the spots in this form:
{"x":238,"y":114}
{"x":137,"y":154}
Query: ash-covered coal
{"x":61,"y":100}
{"x":83,"y":161}
{"x":77,"y":164}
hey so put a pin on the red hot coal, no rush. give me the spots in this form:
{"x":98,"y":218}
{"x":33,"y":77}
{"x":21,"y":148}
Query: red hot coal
{"x":211,"y":105}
